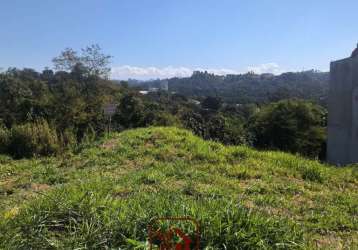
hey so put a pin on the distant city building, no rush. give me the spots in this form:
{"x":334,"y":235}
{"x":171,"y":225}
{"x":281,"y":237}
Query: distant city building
{"x":144,"y":92}
{"x":196,"y":102}
{"x":153,"y":89}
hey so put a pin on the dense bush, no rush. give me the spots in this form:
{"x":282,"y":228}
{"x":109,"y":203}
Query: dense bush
{"x":195,"y":122}
{"x":134,"y":111}
{"x":216,"y":127}
{"x":32,"y":139}
{"x":130,"y":112}
{"x":295,"y":126}
{"x":211,"y":103}
{"x":165,"y":119}
{"x":234,"y":132}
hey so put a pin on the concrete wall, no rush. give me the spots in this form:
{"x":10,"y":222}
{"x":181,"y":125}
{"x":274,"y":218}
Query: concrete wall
{"x":343,"y":112}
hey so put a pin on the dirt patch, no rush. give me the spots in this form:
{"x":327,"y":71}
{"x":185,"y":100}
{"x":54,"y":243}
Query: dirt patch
{"x":300,"y":201}
{"x":122,"y":194}
{"x":109,"y":144}
{"x":328,"y":242}
{"x":39,"y":187}
{"x":7,"y":187}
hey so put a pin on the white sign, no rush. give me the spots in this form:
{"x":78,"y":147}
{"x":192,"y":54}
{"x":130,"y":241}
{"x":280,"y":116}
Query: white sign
{"x":109,"y":109}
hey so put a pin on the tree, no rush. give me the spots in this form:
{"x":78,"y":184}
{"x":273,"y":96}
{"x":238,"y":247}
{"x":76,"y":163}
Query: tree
{"x":67,"y":60}
{"x":217,"y":127}
{"x":91,"y":59}
{"x":23,"y":96}
{"x":295,"y":126}
{"x":195,"y":122}
{"x":96,"y":62}
{"x":130,"y":112}
{"x":212,"y":103}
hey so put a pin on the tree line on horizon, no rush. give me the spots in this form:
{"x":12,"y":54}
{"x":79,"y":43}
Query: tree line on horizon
{"x":44,"y":113}
{"x":310,"y":85}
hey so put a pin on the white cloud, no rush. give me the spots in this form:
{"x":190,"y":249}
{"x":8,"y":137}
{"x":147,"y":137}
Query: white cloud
{"x":272,"y":68}
{"x":143,"y":73}
{"x":126,"y":71}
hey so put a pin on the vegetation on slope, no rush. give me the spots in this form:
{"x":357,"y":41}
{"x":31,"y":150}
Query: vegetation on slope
{"x":105,"y":196}
{"x":249,"y":88}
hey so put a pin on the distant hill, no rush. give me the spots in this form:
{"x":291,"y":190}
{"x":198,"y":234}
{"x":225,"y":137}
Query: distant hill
{"x":105,"y":196}
{"x":250,"y":87}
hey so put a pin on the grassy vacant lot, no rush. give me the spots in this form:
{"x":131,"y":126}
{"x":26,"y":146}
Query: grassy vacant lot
{"x":104,"y":196}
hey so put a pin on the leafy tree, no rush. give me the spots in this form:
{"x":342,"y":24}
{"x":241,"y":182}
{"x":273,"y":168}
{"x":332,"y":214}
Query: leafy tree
{"x":70,"y":100}
{"x":195,"y":122}
{"x":130,"y":112}
{"x":163,"y":118}
{"x":96,"y":62}
{"x":216,"y":127}
{"x":79,"y":103}
{"x":234,"y":132}
{"x":291,"y":125}
{"x":212,"y":103}
{"x":67,"y":60}
{"x":91,"y":59}
{"x":240,"y":111}
{"x":23,"y":97}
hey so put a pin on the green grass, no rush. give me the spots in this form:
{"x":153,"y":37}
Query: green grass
{"x":105,"y":196}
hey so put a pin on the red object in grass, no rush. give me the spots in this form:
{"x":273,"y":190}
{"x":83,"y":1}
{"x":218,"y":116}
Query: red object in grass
{"x":165,"y":240}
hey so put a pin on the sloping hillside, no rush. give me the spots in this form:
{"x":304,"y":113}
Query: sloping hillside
{"x":249,"y":88}
{"x":105,"y":196}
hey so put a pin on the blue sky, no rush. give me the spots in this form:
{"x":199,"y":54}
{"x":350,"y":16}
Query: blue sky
{"x":161,"y":38}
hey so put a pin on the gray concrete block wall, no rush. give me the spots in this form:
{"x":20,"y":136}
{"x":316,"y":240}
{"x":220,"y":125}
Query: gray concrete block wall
{"x":342,"y":145}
